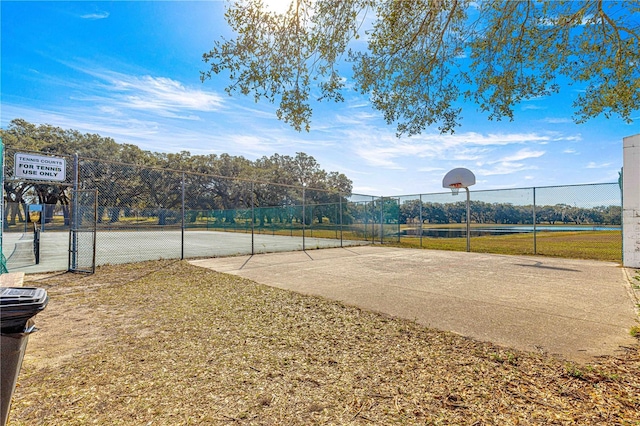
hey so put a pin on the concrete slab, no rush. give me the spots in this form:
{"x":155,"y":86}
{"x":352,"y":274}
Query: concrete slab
{"x":576,"y":309}
{"x":12,"y":279}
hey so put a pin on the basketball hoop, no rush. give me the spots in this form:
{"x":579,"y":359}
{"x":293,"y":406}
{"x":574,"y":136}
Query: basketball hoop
{"x":456,"y":179}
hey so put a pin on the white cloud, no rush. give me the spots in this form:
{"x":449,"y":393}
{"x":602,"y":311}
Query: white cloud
{"x":95,"y":16}
{"x":504,"y":168}
{"x":557,"y":120}
{"x":160,"y":94}
{"x":156,"y":95}
{"x":379,"y":156}
{"x":574,"y":138}
{"x":106,"y":109}
{"x":356,"y":119}
{"x":358,"y":104}
{"x":431,"y":169}
{"x":532,"y":107}
{"x":489,"y":139}
{"x":378,"y":146}
{"x":523,"y":154}
{"x":363,"y":189}
{"x":247,"y":143}
{"x":594,"y":165}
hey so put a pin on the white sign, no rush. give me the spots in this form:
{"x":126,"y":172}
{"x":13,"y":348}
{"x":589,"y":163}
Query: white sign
{"x":29,"y":166}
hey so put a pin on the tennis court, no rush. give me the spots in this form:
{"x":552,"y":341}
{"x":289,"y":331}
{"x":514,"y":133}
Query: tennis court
{"x":116,"y":247}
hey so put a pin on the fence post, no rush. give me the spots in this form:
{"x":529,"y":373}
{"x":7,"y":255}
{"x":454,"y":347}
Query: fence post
{"x":420,"y":221}
{"x":340,"y":215}
{"x":304,"y":215}
{"x":398,"y":219}
{"x":253,"y":218}
{"x":3,"y":264}
{"x":381,"y":220}
{"x":182,"y":221}
{"x":73,"y":253}
{"x":535,"y":242}
{"x":621,"y":186}
{"x":373,"y":219}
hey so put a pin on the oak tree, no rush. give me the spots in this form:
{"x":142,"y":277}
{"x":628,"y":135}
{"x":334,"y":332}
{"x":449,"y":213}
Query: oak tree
{"x":422,"y":59}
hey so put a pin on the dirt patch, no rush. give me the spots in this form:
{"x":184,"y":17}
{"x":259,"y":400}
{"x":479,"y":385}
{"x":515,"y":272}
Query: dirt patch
{"x":74,"y":322}
{"x":167,"y":343}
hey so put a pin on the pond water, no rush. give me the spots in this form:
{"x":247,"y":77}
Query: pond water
{"x":501,"y":230}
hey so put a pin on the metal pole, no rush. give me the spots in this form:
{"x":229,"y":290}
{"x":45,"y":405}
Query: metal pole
{"x":621,"y":185}
{"x":73,"y":253}
{"x":340,"y":213}
{"x":535,"y":245}
{"x":304,"y":216}
{"x":95,"y":230}
{"x":373,"y":220}
{"x":3,"y":266}
{"x":365,"y":220}
{"x":253,"y":218}
{"x":420,"y":221}
{"x":182,"y":233}
{"x":468,"y":222}
{"x":381,"y":220}
{"x":398,"y":219}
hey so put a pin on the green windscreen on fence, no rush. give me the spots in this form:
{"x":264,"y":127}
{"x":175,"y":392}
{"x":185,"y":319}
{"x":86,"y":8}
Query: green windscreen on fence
{"x":145,"y":213}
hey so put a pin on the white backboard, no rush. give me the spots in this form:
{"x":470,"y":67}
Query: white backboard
{"x":459,"y":178}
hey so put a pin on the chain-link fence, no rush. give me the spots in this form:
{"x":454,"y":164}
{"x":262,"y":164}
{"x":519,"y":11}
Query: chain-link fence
{"x":82,"y":235}
{"x":581,"y":221}
{"x":146,"y":213}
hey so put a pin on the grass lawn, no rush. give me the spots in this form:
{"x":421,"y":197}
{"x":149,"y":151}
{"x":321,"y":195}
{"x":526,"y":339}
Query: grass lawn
{"x":167,"y":343}
{"x":595,"y":245}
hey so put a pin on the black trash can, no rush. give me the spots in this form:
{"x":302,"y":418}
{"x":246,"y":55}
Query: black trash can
{"x":18,"y":305}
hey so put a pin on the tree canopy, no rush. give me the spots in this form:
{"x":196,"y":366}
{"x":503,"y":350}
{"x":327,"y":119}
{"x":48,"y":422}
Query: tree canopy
{"x":422,"y":57}
{"x":127,"y":177}
{"x":277,"y":169}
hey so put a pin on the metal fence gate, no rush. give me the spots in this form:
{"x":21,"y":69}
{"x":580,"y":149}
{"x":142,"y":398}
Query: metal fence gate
{"x":82,"y":234}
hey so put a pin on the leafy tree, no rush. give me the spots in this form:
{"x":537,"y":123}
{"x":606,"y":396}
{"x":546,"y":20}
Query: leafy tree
{"x":116,"y":185}
{"x":133,"y":181}
{"x":422,"y":56}
{"x":410,"y":211}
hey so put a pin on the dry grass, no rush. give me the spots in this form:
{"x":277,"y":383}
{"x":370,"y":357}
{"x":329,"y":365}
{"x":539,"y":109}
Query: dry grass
{"x":167,"y":343}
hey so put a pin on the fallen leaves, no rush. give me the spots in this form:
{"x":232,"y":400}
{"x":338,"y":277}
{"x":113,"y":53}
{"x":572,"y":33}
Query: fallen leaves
{"x":167,"y":343}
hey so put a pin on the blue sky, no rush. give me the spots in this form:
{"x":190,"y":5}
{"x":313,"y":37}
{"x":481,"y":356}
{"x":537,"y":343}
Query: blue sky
{"x":130,"y":71}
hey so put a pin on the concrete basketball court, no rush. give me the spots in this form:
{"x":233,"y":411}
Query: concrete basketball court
{"x":576,"y":309}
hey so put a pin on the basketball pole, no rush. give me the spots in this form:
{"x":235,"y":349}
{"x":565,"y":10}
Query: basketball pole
{"x":468,"y":220}
{"x":461,"y":178}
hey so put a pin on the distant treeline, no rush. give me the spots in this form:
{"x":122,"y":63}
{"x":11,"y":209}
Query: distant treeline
{"x":507,"y":213}
{"x":135,"y":183}
{"x":128,"y":178}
